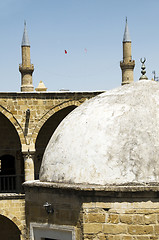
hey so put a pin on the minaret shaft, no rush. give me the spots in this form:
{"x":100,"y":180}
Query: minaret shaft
{"x":127,"y":52}
{"x":26,"y":68}
{"x":127,"y":65}
{"x":26,"y":55}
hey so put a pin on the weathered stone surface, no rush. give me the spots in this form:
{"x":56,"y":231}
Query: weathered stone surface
{"x":84,"y":209}
{"x":114,"y":136}
{"x":114,"y":228}
{"x":138,"y":219}
{"x":95,"y":217}
{"x":92,"y":228}
{"x":150,"y":219}
{"x":140,"y":230}
{"x":126,"y":218}
{"x":113,"y":218}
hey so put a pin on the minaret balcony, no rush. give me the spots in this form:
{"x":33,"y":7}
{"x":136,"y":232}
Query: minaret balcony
{"x":127,"y":65}
{"x":26,"y":68}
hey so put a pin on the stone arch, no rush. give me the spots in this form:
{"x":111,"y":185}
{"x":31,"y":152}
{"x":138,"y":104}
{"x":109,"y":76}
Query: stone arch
{"x":14,"y":122}
{"x":12,"y":218}
{"x":47,"y":115}
{"x":10,"y":155}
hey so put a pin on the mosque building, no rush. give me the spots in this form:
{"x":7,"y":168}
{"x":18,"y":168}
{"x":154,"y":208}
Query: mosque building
{"x":89,"y":173}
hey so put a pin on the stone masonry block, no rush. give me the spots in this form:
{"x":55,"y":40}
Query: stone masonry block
{"x":138,"y":219}
{"x":126,"y":218}
{"x":113,"y":218}
{"x":92,"y":228}
{"x":140,"y":230}
{"x":114,"y":228}
{"x":156,"y":229}
{"x":95,"y":217}
{"x":101,"y":236}
{"x":150,"y":219}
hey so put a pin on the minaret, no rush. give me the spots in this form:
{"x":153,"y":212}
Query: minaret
{"x":26,"y":68}
{"x":127,"y":65}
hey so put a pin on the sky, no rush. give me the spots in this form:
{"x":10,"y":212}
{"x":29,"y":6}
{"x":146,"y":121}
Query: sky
{"x":90,"y":30}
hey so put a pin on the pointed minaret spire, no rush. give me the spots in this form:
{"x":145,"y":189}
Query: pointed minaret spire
{"x":25,"y":39}
{"x":26,"y":68}
{"x":126,"y":37}
{"x":127,"y":65}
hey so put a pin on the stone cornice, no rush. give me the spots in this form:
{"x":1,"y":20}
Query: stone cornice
{"x":93,"y":188}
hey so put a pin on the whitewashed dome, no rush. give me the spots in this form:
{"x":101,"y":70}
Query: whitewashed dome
{"x":110,"y":139}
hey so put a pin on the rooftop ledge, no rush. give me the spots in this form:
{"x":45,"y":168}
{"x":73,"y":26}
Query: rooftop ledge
{"x":49,"y":94}
{"x":58,"y":91}
{"x":12,"y":196}
{"x":129,"y":187}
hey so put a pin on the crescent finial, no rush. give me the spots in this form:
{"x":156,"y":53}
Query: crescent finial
{"x":143,"y":60}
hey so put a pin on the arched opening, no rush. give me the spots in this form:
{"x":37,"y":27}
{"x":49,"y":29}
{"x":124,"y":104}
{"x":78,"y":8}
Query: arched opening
{"x":7,"y":165}
{"x":11,"y":160}
{"x":8,"y":229}
{"x":7,"y":173}
{"x":45,"y":134}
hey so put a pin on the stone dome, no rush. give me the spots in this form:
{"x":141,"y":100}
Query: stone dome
{"x":110,"y":139}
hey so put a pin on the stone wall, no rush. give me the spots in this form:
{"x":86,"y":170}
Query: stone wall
{"x":125,"y":220}
{"x":12,"y":207}
{"x":41,"y":105}
{"x":65,"y":204}
{"x":32,"y":118}
{"x":109,"y":214}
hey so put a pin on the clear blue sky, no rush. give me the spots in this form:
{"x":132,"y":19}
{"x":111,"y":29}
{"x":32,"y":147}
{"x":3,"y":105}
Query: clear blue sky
{"x":97,"y":25}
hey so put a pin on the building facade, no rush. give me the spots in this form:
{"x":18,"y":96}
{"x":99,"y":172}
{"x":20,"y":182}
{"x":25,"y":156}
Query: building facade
{"x":28,"y":119}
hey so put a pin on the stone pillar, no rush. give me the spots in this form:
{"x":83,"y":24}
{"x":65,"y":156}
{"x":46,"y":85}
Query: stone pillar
{"x":19,"y":171}
{"x":28,"y":166}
